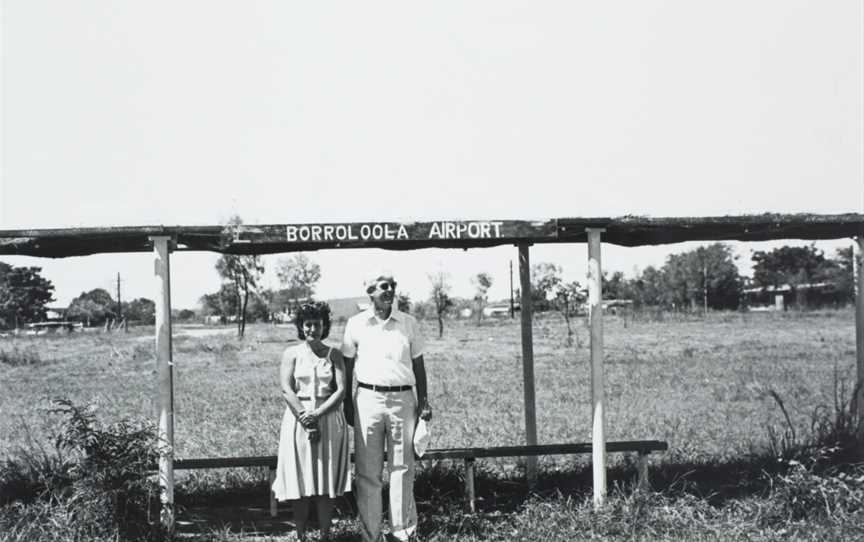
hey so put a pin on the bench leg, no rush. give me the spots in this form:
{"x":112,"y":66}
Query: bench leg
{"x":643,"y":484}
{"x":271,"y":477}
{"x":469,"y":483}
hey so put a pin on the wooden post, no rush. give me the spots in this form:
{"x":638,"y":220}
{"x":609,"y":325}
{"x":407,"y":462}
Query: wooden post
{"x":165,"y":367}
{"x":528,"y":360}
{"x":858,"y":261}
{"x":512,"y":308}
{"x":469,"y":484}
{"x":642,"y":483}
{"x":595,"y":315}
{"x":271,"y":477}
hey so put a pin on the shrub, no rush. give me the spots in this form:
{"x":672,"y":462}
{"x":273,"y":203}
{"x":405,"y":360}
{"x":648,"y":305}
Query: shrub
{"x":833,"y":437}
{"x":17,"y":357}
{"x":804,"y":494}
{"x":34,"y":473}
{"x":97,"y":485}
{"x":835,"y":430}
{"x":818,"y":475}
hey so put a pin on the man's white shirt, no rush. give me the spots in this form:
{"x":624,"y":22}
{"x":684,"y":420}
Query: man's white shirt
{"x":383,"y":348}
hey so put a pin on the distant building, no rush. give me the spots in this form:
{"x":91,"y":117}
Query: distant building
{"x":54,"y":314}
{"x":610,"y":306}
{"x":286,"y":315}
{"x":816,"y":294}
{"x":499,"y":310}
{"x":613,"y":306}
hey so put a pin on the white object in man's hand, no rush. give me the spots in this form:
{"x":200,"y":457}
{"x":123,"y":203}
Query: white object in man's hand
{"x":421,"y":437}
{"x":425,"y":412}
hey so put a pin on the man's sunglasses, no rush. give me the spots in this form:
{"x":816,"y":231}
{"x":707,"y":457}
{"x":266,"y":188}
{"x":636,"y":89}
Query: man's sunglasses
{"x":384,"y":285}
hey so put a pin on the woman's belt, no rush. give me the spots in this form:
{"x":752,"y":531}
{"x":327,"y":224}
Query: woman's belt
{"x":374,"y":387}
{"x":307,"y":398}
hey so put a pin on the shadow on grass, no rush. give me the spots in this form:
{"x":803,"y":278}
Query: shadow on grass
{"x":242,"y":506}
{"x":501,"y":491}
{"x":506,"y":490}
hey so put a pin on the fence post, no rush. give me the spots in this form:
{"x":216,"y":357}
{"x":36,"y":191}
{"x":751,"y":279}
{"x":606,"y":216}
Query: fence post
{"x":595,"y":315}
{"x":165,"y":366}
{"x":528,"y":360}
{"x":469,"y":484}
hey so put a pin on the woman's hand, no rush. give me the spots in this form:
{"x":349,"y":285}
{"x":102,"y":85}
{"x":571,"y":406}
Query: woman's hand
{"x":309,"y":419}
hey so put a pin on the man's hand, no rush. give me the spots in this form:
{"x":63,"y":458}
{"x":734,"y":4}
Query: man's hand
{"x":425,"y":411}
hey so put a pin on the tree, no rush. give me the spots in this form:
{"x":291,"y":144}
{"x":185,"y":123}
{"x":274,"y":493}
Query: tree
{"x":545,"y":279}
{"x":403,"y":303}
{"x":422,"y":309}
{"x":258,"y":309}
{"x":843,"y":275}
{"x":222,"y":303}
{"x":241,"y":273}
{"x":482,"y":282}
{"x":140,"y":310}
{"x":24,"y":293}
{"x":647,"y":289}
{"x":278,"y":301}
{"x":568,"y":298}
{"x":794,"y":266}
{"x":615,"y":287}
{"x":440,"y":297}
{"x":839,"y":274}
{"x":299,"y":274}
{"x":186,"y":315}
{"x":93,"y":307}
{"x":704,"y":277}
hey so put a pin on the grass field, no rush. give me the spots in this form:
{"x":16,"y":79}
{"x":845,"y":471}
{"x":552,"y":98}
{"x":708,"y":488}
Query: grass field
{"x":702,"y":384}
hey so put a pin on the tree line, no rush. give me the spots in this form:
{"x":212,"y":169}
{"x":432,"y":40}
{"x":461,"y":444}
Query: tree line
{"x":705,"y":278}
{"x":702,"y":279}
{"x":25,"y":295}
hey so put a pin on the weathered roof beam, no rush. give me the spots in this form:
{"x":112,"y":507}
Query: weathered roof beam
{"x":639,"y":231}
{"x":268,"y":239}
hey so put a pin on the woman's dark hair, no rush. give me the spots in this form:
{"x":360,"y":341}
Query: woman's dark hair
{"x":318,"y":310}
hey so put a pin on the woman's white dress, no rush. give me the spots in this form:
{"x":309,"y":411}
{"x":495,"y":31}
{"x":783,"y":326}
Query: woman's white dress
{"x":305,"y":468}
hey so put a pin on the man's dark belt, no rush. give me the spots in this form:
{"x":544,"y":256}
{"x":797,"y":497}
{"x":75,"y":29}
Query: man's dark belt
{"x":373,"y":387}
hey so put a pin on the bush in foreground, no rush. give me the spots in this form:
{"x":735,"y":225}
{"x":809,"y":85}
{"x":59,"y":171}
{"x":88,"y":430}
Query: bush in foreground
{"x":95,"y":486}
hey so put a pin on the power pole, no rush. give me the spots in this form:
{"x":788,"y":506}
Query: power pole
{"x":119,"y":305}
{"x":512,"y":310}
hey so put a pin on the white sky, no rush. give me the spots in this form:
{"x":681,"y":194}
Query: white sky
{"x":122,"y":113}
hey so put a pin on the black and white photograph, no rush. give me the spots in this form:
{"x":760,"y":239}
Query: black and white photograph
{"x":452,"y":271}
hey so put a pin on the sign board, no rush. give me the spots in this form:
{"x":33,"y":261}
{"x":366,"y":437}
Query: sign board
{"x":391,"y":231}
{"x":397,"y":233}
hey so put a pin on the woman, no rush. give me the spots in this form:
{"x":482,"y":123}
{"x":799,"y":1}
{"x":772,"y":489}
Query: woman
{"x":313,"y":443}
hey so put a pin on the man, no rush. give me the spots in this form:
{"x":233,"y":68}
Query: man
{"x":383,"y":348}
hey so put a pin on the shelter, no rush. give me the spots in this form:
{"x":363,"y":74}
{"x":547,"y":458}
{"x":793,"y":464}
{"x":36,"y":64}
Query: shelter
{"x":265,"y":239}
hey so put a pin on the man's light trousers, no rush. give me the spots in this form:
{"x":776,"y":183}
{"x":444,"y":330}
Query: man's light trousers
{"x":385,"y":417}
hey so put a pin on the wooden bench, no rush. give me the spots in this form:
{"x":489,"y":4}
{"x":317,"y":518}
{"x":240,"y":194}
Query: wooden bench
{"x":468,"y":455}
